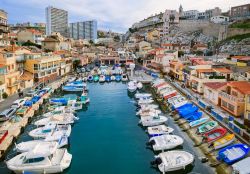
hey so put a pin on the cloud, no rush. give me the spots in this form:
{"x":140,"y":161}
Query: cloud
{"x":111,"y":14}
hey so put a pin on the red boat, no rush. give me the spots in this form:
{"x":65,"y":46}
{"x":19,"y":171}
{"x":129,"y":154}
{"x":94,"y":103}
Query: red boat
{"x":214,"y":135}
{"x":3,"y":135}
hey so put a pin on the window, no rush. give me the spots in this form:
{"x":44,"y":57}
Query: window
{"x":230,"y":107}
{"x":36,"y":67}
{"x":34,"y":160}
{"x":223,"y":103}
{"x":248,"y":115}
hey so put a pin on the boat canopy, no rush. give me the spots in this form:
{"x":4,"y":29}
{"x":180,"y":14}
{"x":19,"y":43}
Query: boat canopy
{"x":41,"y":151}
{"x":242,"y":166}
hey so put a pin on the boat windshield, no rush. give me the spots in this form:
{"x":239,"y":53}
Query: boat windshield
{"x":32,"y":160}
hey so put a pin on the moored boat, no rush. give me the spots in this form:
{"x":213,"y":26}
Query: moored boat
{"x":198,"y":122}
{"x":153,"y":121}
{"x":223,"y":142}
{"x":132,"y":86}
{"x":206,"y":127}
{"x":173,"y":160}
{"x":165,"y":142}
{"x":124,"y":77}
{"x":90,"y":78}
{"x":159,"y":130}
{"x":142,"y":95}
{"x":214,"y":135}
{"x":139,"y":85}
{"x":96,"y":78}
{"x":102,"y":78}
{"x":233,"y":153}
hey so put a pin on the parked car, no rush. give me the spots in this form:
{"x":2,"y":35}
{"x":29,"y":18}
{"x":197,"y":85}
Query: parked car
{"x":18,"y":103}
{"x":7,"y":114}
{"x":31,"y":93}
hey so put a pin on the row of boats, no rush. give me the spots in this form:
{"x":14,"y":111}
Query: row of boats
{"x":161,"y":136}
{"x":47,"y":152}
{"x":215,"y":136}
{"x":133,"y":86}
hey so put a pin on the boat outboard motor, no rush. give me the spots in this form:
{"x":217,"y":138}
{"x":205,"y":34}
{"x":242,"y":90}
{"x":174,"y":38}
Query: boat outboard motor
{"x":150,"y":143}
{"x":157,"y":161}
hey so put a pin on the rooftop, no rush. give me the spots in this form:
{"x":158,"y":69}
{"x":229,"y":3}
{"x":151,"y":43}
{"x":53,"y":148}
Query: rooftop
{"x":215,"y":85}
{"x":242,"y":86}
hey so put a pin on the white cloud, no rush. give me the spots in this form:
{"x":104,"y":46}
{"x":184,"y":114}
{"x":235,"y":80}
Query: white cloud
{"x":118,"y":14}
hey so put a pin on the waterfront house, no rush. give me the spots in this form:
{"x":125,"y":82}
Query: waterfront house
{"x":11,"y":77}
{"x":232,"y":99}
{"x":44,"y":67}
{"x":26,"y":80}
{"x":201,"y":76}
{"x":110,"y":58}
{"x":212,"y":89}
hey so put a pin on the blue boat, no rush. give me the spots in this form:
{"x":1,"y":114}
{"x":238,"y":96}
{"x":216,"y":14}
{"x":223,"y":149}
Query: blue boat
{"x":59,"y":101}
{"x":90,"y":78}
{"x":35,"y":99}
{"x":194,"y":116}
{"x":188,"y":110}
{"x":233,"y":153}
{"x":118,"y":78}
{"x":107,"y":78}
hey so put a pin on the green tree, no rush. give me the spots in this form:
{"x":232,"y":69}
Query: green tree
{"x":5,"y":95}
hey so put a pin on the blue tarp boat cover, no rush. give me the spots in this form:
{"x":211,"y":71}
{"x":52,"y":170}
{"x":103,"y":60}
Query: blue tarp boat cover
{"x":62,"y":101}
{"x":28,"y":103}
{"x":193,"y":116}
{"x":188,"y":110}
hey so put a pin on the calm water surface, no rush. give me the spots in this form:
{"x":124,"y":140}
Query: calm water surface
{"x":107,"y":138}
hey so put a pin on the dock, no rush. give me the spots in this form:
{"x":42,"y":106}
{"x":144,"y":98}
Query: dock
{"x":140,"y":76}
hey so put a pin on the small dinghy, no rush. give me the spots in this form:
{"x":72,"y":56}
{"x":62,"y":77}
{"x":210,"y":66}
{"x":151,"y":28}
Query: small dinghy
{"x":29,"y":145}
{"x":223,"y":142}
{"x":112,"y":78}
{"x":142,"y":95}
{"x":90,"y":78}
{"x":233,"y":153}
{"x":153,"y":121}
{"x":139,"y":85}
{"x":96,"y":78}
{"x":41,"y":160}
{"x":118,"y":78}
{"x":173,"y":160}
{"x":165,"y":142}
{"x":56,"y":119}
{"x":132,"y":86}
{"x":102,"y":79}
{"x":206,"y":127}
{"x":107,"y":78}
{"x":198,"y":122}
{"x":51,"y":130}
{"x":124,"y":78}
{"x":159,"y":130}
{"x":214,"y":135}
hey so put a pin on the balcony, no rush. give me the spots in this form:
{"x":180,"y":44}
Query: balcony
{"x":231,"y":98}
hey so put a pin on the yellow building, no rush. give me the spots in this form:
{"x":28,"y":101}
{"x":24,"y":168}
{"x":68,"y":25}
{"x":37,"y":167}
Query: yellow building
{"x":11,"y":77}
{"x":176,"y":70}
{"x":45,"y":68}
{"x":247,"y":110}
{"x":153,"y":35}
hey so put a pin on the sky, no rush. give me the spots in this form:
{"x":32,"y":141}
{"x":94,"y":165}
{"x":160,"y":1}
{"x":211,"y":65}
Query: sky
{"x":116,"y":15}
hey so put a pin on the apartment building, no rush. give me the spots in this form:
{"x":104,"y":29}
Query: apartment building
{"x":83,"y":30}
{"x":56,"y":21}
{"x":4,"y":30}
{"x":31,"y":35}
{"x":242,"y":11}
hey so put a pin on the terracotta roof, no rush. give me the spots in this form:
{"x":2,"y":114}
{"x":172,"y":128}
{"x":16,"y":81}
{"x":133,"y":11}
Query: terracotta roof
{"x":222,"y":70}
{"x":204,"y":70}
{"x":26,"y":76}
{"x":242,"y":86}
{"x":2,"y":66}
{"x":215,"y":85}
{"x":35,"y":31}
{"x":167,"y":44}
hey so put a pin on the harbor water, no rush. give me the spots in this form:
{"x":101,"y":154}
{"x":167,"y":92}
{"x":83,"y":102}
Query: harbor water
{"x":108,"y":140}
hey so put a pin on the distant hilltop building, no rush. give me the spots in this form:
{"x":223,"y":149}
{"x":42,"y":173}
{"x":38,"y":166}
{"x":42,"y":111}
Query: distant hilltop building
{"x":4,"y":30}
{"x":56,"y":21}
{"x":83,"y":30}
{"x":240,"y":12}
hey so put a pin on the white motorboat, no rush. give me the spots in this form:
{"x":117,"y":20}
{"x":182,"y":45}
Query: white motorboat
{"x":57,"y":119}
{"x":52,"y":130}
{"x":173,"y":160}
{"x":157,"y":82}
{"x":177,"y":101}
{"x":74,"y":105}
{"x":165,"y":142}
{"x":124,"y":77}
{"x":29,"y":145}
{"x":148,"y":112}
{"x":41,"y":160}
{"x":139,"y":85}
{"x":132,"y":86}
{"x":102,"y":78}
{"x":112,"y":78}
{"x":148,"y":106}
{"x":142,"y":95}
{"x":153,"y":121}
{"x":163,"y":88}
{"x":159,"y":130}
{"x":147,"y":101}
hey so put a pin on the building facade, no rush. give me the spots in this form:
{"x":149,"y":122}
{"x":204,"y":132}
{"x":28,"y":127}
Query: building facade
{"x":83,"y":30}
{"x":4,"y":30}
{"x":56,"y":21}
{"x":242,"y":11}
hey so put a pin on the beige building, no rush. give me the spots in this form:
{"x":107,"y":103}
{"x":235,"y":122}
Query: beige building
{"x":31,"y":35}
{"x":4,"y":30}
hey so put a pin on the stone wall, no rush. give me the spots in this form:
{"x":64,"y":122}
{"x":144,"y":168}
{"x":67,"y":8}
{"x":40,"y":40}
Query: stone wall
{"x":236,"y":31}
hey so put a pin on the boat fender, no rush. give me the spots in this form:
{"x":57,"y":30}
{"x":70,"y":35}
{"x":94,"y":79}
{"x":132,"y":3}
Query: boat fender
{"x":204,"y":159}
{"x":157,"y":161}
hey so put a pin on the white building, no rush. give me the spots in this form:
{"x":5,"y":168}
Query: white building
{"x":169,"y":17}
{"x":190,"y":14}
{"x":56,"y":21}
{"x":219,"y":19}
